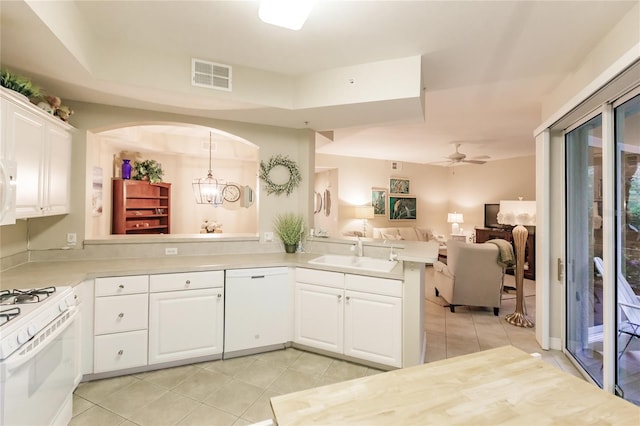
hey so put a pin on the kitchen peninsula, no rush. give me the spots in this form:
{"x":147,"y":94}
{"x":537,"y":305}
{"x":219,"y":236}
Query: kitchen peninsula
{"x":88,"y":275}
{"x":498,"y":386}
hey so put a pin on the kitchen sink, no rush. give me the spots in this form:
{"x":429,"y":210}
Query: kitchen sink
{"x":355,"y":262}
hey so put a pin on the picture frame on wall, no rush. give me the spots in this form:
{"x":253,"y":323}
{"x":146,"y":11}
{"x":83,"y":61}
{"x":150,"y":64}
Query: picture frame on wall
{"x":402,"y":208}
{"x":379,"y":201}
{"x":398,"y":185}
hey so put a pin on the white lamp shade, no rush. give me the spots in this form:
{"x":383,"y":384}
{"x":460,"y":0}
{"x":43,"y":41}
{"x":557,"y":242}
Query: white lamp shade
{"x":517,"y":212}
{"x":364,"y":212}
{"x":455,"y":218}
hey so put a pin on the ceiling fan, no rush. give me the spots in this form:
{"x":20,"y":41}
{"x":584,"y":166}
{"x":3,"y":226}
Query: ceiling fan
{"x":458,"y":157}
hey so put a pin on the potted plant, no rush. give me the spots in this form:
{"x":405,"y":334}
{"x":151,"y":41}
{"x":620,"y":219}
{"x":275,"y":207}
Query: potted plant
{"x":19,"y":84}
{"x":290,"y":229}
{"x":148,"y":170}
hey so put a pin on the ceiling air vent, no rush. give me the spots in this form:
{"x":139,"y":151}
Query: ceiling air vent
{"x":210,"y":75}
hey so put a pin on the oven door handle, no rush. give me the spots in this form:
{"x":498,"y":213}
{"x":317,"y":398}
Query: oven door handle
{"x":17,"y":359}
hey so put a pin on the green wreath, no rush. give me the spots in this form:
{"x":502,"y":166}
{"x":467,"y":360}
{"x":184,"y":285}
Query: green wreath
{"x":294,"y":175}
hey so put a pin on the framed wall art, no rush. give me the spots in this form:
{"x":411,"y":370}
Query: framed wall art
{"x":402,"y":208}
{"x":379,"y":201}
{"x":398,"y":185}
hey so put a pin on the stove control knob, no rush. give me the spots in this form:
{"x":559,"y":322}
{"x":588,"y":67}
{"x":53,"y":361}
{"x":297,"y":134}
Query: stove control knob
{"x":62,"y":306}
{"x":31,"y":330}
{"x":22,"y":336}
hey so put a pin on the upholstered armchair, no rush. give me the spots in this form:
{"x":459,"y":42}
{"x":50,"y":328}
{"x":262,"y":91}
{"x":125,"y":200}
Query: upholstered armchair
{"x":471,"y":276}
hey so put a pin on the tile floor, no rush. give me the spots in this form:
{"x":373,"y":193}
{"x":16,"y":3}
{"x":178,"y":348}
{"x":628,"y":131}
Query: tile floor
{"x":237,"y":391}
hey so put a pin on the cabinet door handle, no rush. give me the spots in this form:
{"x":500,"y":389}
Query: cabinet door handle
{"x":121,"y":286}
{"x":121,"y":315}
{"x":348,"y":298}
{"x":339,"y":297}
{"x":120,"y":352}
{"x":219,"y":296}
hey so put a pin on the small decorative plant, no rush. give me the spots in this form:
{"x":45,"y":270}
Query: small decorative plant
{"x":148,"y":170}
{"x":290,"y":229}
{"x":19,"y":84}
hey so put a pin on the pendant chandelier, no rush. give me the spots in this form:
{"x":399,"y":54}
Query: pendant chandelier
{"x":209,"y":190}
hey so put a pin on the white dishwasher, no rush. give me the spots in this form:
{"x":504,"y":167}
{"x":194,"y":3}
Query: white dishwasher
{"x":258,"y":310}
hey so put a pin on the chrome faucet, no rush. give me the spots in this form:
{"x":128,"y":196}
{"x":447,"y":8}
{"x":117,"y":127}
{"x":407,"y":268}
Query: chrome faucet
{"x":392,"y":255}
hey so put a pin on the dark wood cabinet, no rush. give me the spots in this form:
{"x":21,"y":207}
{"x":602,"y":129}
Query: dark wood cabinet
{"x":486,"y":234}
{"x":140,"y":207}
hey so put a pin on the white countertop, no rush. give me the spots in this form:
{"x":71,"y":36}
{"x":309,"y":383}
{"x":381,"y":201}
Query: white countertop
{"x":73,"y":272}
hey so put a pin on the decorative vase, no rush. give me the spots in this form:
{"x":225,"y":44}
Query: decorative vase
{"x":290,"y":248}
{"x":126,"y":169}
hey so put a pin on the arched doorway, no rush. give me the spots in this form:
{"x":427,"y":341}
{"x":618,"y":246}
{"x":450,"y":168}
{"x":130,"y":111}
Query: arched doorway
{"x":183,"y":151}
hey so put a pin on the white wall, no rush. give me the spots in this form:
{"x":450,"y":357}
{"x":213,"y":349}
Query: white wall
{"x":623,"y":37}
{"x":327,"y":180}
{"x":48,"y":233}
{"x":474,"y":185}
{"x":439,"y":190}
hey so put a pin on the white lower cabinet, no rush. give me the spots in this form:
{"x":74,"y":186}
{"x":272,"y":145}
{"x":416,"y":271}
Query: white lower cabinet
{"x":319,"y":316}
{"x":186,"y":315}
{"x":120,"y":323}
{"x":120,"y":350}
{"x":373,"y":327}
{"x":354,"y":315}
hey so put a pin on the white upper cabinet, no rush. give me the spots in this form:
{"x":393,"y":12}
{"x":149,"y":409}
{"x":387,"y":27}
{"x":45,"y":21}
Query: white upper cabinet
{"x":57,"y":182}
{"x":41,"y":146}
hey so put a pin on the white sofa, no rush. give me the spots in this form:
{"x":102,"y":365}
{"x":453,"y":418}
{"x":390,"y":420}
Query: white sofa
{"x":409,"y":233}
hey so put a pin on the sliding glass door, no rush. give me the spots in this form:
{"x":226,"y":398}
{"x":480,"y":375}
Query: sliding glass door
{"x":594,"y":294}
{"x":584,"y":331}
{"x":627,"y":140}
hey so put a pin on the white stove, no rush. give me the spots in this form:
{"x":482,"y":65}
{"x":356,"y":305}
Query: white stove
{"x":38,"y":355}
{"x":24,"y":313}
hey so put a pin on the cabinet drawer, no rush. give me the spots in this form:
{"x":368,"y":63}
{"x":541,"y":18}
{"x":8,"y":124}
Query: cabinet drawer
{"x":116,"y":314}
{"x":119,"y":351}
{"x":325,"y":278}
{"x":384,"y":286}
{"x":186,"y":281}
{"x":113,"y":286}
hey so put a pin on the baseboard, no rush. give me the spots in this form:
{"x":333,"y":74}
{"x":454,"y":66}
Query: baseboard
{"x":555,"y":343}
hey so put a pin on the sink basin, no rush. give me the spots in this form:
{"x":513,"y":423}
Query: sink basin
{"x":355,"y":262}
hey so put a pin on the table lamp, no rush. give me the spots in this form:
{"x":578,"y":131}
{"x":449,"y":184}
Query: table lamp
{"x":519,"y":213}
{"x":364,"y":213}
{"x":455,"y":219}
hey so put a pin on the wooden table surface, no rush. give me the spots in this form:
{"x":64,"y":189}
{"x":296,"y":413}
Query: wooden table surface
{"x":498,"y":386}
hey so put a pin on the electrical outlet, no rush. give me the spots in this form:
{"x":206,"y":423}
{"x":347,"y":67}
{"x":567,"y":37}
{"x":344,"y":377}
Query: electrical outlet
{"x":71,"y":239}
{"x":268,"y":236}
{"x":170,"y":251}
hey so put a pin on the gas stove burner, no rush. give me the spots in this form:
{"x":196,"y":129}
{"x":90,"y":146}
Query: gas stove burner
{"x":26,"y":298}
{"x":18,"y":297}
{"x":47,"y":291}
{"x":9,"y":314}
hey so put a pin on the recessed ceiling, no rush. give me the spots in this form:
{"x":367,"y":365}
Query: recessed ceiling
{"x":485,"y":67}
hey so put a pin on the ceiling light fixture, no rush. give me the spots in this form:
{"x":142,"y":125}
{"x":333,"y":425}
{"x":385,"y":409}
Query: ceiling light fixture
{"x":290,"y":14}
{"x":209,"y":190}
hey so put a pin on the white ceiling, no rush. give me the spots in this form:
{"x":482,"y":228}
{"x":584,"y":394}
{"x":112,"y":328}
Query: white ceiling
{"x":486,"y":65}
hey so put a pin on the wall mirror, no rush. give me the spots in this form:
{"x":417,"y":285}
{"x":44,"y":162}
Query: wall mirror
{"x":183,"y":152}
